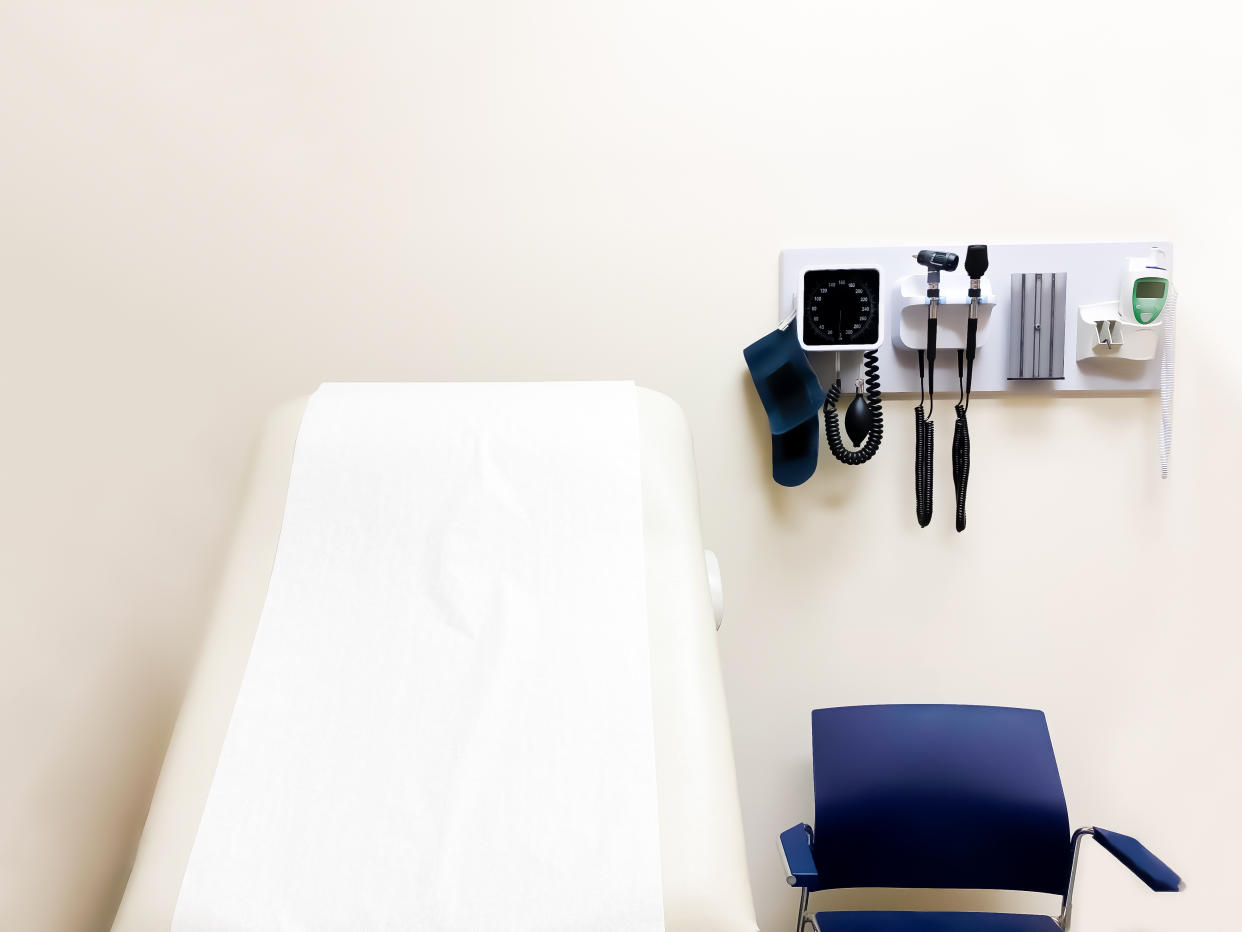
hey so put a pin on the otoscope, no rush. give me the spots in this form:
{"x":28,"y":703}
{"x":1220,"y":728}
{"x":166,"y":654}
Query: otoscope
{"x":924,"y":433}
{"x":976,"y":266}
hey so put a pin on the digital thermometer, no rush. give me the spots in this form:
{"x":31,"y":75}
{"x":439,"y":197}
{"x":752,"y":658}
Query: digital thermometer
{"x":1144,"y":291}
{"x":1147,"y":293}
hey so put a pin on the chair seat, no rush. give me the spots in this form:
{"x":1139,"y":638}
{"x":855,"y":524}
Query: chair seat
{"x":909,"y":921}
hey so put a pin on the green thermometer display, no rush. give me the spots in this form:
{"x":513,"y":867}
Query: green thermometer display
{"x":1147,"y":298}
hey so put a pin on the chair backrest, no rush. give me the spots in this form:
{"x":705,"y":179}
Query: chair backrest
{"x":945,"y":796}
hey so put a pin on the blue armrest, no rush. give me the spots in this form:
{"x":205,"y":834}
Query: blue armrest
{"x":799,"y":863}
{"x":1145,"y":865}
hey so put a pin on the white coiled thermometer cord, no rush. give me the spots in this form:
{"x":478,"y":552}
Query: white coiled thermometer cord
{"x":1166,"y":380}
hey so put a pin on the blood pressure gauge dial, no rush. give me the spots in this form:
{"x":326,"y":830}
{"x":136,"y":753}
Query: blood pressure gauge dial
{"x":840,"y":309}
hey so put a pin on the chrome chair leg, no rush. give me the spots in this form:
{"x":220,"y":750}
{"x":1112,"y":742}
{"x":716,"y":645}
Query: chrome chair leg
{"x":803,"y":919}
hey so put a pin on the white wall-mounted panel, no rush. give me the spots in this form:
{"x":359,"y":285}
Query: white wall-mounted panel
{"x":1093,"y":273}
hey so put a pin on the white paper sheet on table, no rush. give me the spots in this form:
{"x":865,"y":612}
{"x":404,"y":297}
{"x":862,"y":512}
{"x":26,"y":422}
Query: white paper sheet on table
{"x":445,"y":722}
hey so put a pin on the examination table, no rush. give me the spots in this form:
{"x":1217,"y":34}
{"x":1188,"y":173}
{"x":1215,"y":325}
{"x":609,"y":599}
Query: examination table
{"x":703,"y":869}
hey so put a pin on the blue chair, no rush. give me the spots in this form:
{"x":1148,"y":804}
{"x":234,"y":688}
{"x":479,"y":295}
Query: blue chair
{"x":942,"y":796}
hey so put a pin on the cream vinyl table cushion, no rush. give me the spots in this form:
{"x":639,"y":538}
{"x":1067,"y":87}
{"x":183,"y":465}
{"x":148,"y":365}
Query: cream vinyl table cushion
{"x":703,"y":869}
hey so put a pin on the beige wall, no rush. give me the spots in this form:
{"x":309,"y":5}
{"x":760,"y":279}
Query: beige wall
{"x":206,"y":208}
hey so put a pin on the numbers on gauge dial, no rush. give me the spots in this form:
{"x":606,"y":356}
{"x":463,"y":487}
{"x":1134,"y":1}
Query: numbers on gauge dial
{"x":840,"y":308}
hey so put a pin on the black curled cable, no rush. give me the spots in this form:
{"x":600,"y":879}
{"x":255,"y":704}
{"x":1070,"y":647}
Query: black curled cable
{"x":924,"y":436}
{"x":961,"y":448}
{"x":961,"y":463}
{"x":832,"y":427}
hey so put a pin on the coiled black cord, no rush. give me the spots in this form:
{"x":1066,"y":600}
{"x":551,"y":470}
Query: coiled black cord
{"x":961,"y":448}
{"x":924,"y":437}
{"x":832,"y":427}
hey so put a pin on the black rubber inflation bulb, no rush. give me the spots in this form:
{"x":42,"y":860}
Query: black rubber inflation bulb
{"x":858,"y":418}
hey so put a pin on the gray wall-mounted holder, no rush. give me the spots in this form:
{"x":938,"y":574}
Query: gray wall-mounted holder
{"x":1037,"y":325}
